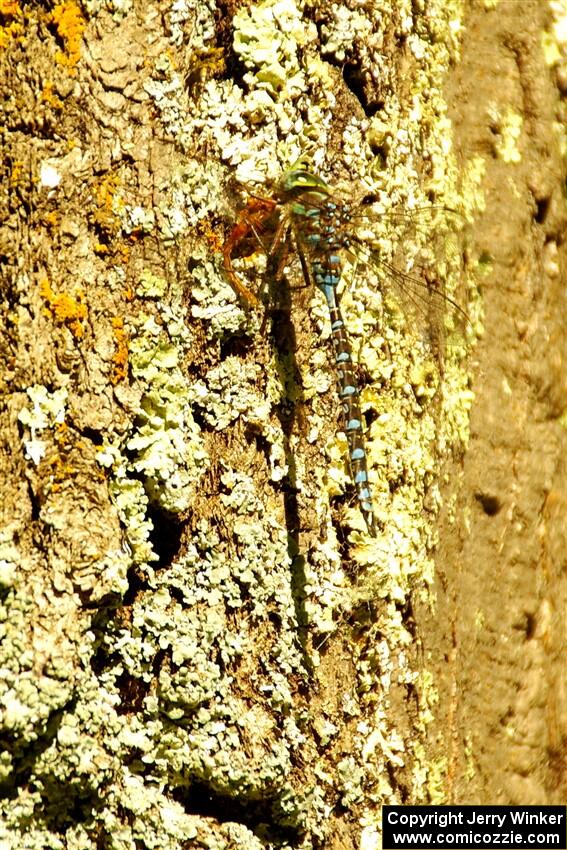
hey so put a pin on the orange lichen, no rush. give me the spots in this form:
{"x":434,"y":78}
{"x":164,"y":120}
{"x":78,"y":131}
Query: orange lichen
{"x":48,"y":97}
{"x":213,"y":238}
{"x":69,"y":310}
{"x":15,"y":175}
{"x":70,"y":25}
{"x":51,"y":219}
{"x":120,"y":358}
{"x":13,"y":28}
{"x":10,"y":8}
{"x":105,"y":215}
{"x":124,"y":253}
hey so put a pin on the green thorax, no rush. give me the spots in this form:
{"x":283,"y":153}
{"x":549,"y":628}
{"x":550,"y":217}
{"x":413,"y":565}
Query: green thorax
{"x":298,"y":184}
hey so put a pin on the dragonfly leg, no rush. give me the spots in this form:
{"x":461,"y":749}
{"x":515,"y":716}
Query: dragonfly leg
{"x":249,"y":223}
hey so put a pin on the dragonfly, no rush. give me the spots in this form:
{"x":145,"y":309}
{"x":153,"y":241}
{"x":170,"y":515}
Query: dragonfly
{"x":324,"y":228}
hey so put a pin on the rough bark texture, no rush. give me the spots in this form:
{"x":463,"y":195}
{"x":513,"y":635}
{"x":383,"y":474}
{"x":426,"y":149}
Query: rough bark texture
{"x":201,"y":647}
{"x":503,"y":597}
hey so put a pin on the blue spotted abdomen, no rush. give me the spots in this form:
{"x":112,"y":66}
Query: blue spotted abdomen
{"x":319,"y":230}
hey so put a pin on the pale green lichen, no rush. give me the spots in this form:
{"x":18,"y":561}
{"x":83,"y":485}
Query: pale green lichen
{"x":554,"y":45}
{"x":42,"y":710}
{"x":136,"y":219}
{"x":346,"y":27}
{"x":47,"y":409}
{"x":166,"y":444}
{"x":193,"y":193}
{"x":204,"y":741}
{"x":473,"y":200}
{"x":350,"y":775}
{"x":268,"y":37}
{"x":558,"y":11}
{"x":214,"y":302}
{"x":507,"y":126}
{"x":8,"y":566}
{"x":550,"y":47}
{"x":435,"y":772}
{"x":151,"y":285}
{"x":212,"y":611}
{"x":132,"y":504}
{"x":117,"y":8}
{"x":470,"y":758}
{"x":197,"y":14}
{"x":404,"y":373}
{"x":166,"y":455}
{"x":428,"y":776}
{"x":370,"y":837}
{"x":166,"y":90}
{"x":229,"y":392}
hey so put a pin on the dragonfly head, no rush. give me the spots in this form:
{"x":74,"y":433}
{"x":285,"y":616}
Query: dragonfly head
{"x":297,"y":180}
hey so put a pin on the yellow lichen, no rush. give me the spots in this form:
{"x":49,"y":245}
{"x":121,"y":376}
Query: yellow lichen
{"x":69,"y":310}
{"x":213,"y":239}
{"x":70,"y":25}
{"x":106,"y":213}
{"x":120,"y":358}
{"x":10,"y":9}
{"x":51,"y":219}
{"x":16,"y":172}
{"x":48,"y":97}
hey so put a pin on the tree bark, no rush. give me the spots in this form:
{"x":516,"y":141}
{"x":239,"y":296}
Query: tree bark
{"x":201,"y":645}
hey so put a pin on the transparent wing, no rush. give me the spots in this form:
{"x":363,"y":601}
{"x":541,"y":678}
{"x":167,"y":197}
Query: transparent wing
{"x":417,"y":258}
{"x":415,"y":254}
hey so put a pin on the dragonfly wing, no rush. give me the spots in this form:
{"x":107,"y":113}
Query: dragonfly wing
{"x":420,"y":272}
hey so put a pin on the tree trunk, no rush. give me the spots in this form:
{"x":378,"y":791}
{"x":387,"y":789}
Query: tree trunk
{"x":202,"y":645}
